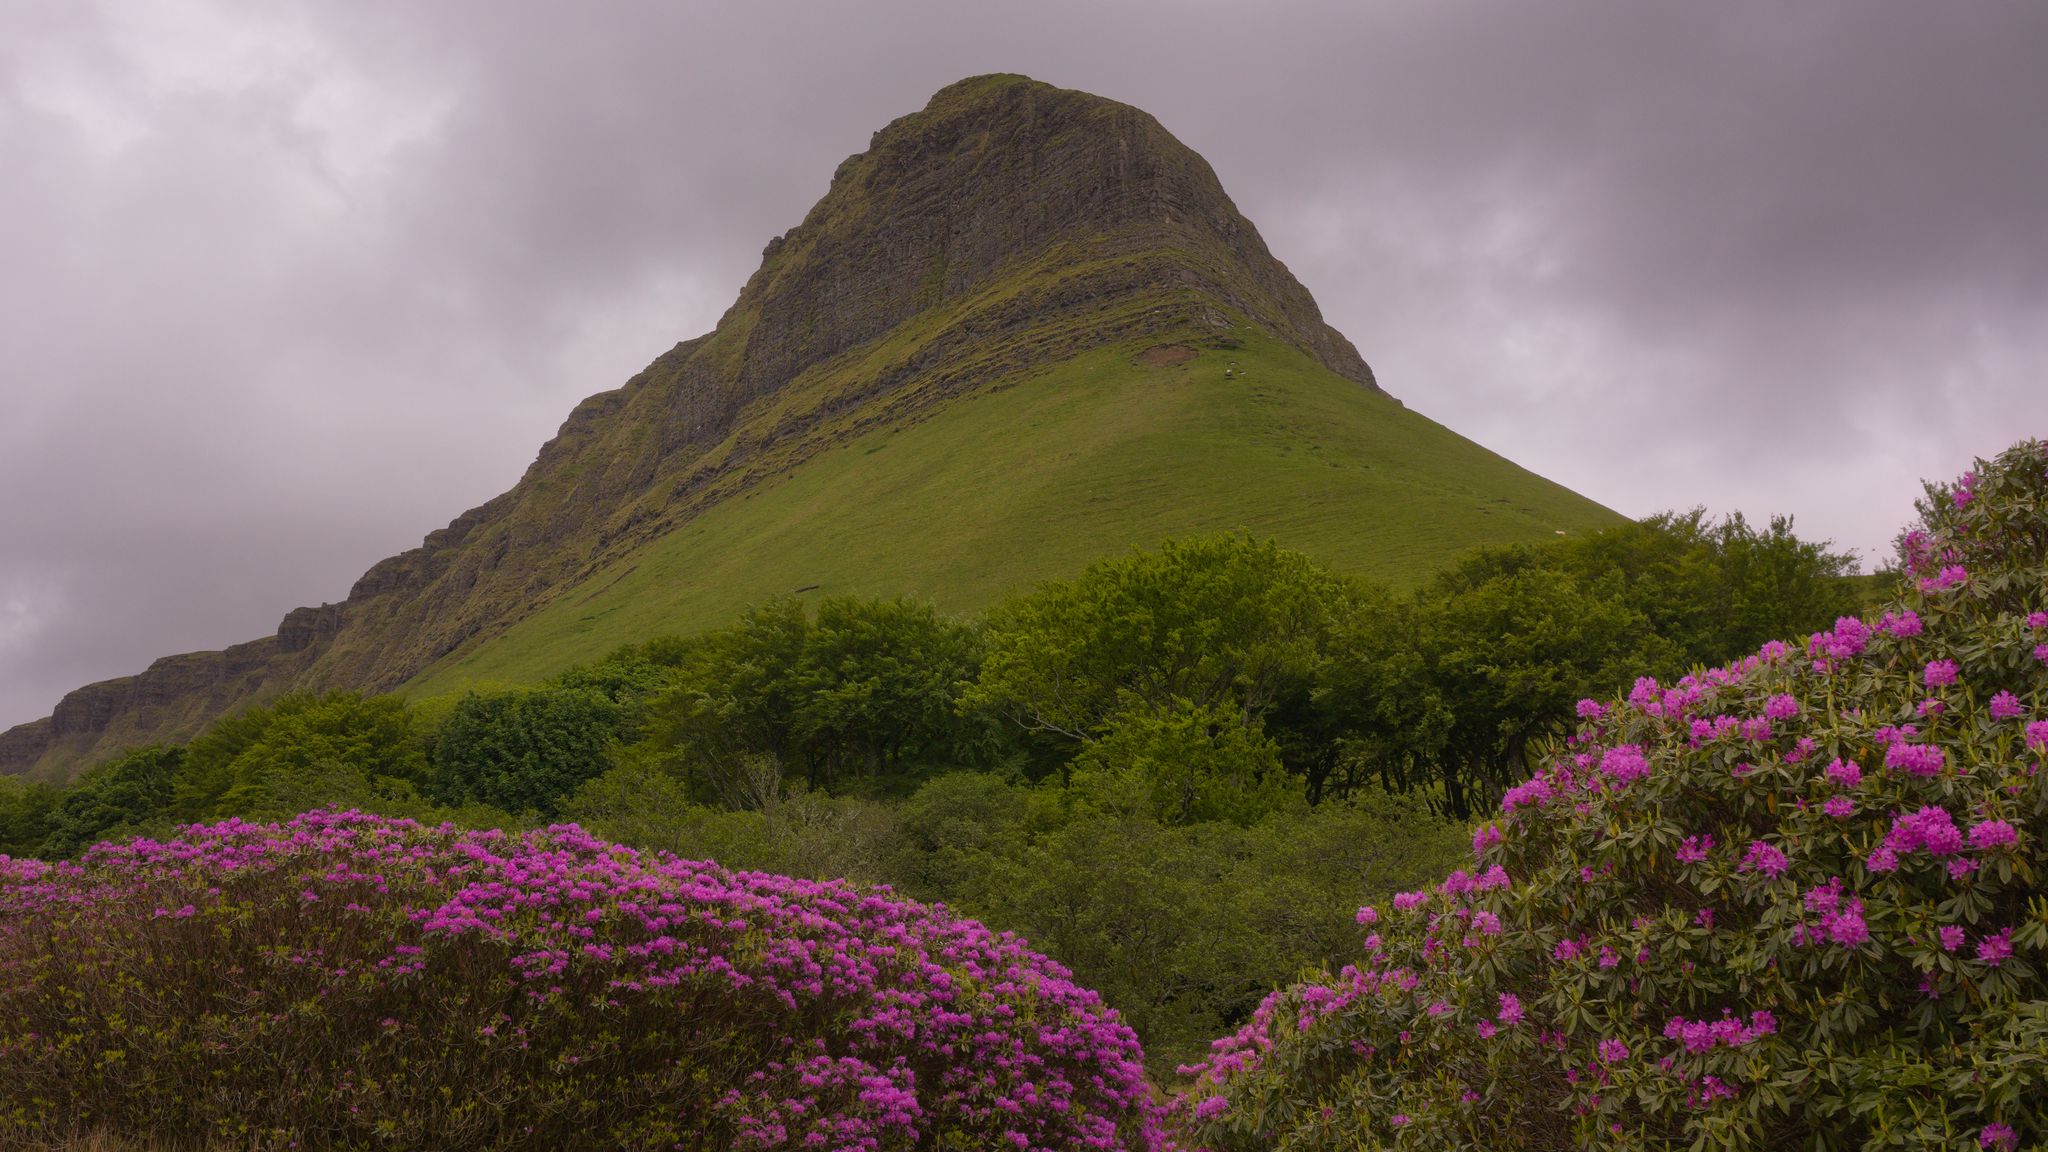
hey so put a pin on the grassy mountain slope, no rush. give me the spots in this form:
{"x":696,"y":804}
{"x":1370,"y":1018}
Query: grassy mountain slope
{"x":1099,"y":454}
{"x":1009,"y":231}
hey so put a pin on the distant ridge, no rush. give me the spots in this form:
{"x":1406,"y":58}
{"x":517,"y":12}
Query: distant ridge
{"x":1009,"y":232}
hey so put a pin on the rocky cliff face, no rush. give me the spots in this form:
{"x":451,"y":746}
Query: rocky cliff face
{"x":1007,"y":225}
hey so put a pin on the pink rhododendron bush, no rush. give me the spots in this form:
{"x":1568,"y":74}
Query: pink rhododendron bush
{"x":351,"y":981}
{"x":1792,"y":903}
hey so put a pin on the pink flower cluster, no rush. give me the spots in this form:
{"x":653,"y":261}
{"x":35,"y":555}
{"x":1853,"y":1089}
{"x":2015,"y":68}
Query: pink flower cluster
{"x":1728,"y":1031}
{"x":1766,"y":858}
{"x":1931,"y":830}
{"x":1916,"y":759}
{"x":866,"y":1020}
{"x":1841,"y":921}
{"x":1847,"y":640}
{"x":1951,"y":576}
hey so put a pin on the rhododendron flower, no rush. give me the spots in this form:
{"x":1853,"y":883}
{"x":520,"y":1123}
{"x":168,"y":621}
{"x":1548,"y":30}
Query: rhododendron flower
{"x":1950,"y":576}
{"x":1694,"y":849}
{"x":1705,"y":1035}
{"x":1931,"y":829}
{"x":1368,"y":915}
{"x":1510,"y":1009}
{"x":1904,"y":625}
{"x":1612,"y":1051}
{"x":1409,"y":901}
{"x":2041,"y":653}
{"x":1995,"y":949}
{"x":1916,"y":759}
{"x":1998,"y":1137}
{"x":1592,"y":710}
{"x":1624,"y":764}
{"x":2037,"y":620}
{"x":1993,"y":834}
{"x":2037,"y":736}
{"x":1839,"y":807}
{"x":1765,"y":858}
{"x":1940,"y":673}
{"x":1847,"y":926}
{"x":2006,"y":706}
{"x":1486,"y":1029}
{"x":1845,"y":773}
{"x":1487,"y":836}
{"x":1848,"y":639}
{"x":1211,"y":1107}
{"x":1952,"y":937}
{"x":1781,"y":707}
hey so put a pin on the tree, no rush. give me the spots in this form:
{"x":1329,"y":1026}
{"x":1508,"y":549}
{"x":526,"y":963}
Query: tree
{"x":1197,"y":644}
{"x":861,"y":693}
{"x":1449,"y":686}
{"x":121,"y":796}
{"x":25,"y":807}
{"x":1456,"y":687}
{"x":523,"y":750}
{"x":302,"y":751}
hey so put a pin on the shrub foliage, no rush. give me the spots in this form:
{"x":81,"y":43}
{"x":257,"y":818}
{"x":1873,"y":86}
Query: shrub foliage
{"x":352,"y":981}
{"x":1794,"y":902}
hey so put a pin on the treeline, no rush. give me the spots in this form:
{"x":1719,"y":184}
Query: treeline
{"x":1178,"y":773}
{"x":1216,"y":678}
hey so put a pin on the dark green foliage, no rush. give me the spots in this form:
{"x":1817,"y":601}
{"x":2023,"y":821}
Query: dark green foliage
{"x":1710,"y":588}
{"x":25,"y":807}
{"x":115,"y":798}
{"x":1162,"y":668}
{"x":625,"y":676}
{"x":1452,"y":684}
{"x":302,"y":751}
{"x":523,"y":750}
{"x":1182,"y":927}
{"x":1186,"y":927}
{"x":861,"y":692}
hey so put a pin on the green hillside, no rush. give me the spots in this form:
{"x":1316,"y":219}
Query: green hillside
{"x":1101,"y":454}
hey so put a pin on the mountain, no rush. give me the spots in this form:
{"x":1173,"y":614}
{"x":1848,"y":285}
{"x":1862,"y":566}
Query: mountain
{"x":1024,"y":329}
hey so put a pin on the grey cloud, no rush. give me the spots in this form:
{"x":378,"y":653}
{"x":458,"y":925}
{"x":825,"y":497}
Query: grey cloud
{"x":288,"y":285}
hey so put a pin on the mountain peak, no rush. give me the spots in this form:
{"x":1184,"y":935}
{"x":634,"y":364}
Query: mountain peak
{"x":999,"y":171}
{"x":1005,"y":229}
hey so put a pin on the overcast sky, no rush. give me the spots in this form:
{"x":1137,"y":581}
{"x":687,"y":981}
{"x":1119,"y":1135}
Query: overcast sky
{"x":283,"y":286}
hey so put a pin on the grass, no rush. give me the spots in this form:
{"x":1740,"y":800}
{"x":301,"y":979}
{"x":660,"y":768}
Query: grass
{"x":1090,"y":458}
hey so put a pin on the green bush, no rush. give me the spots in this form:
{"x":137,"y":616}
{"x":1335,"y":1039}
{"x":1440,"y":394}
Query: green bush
{"x":523,"y":750}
